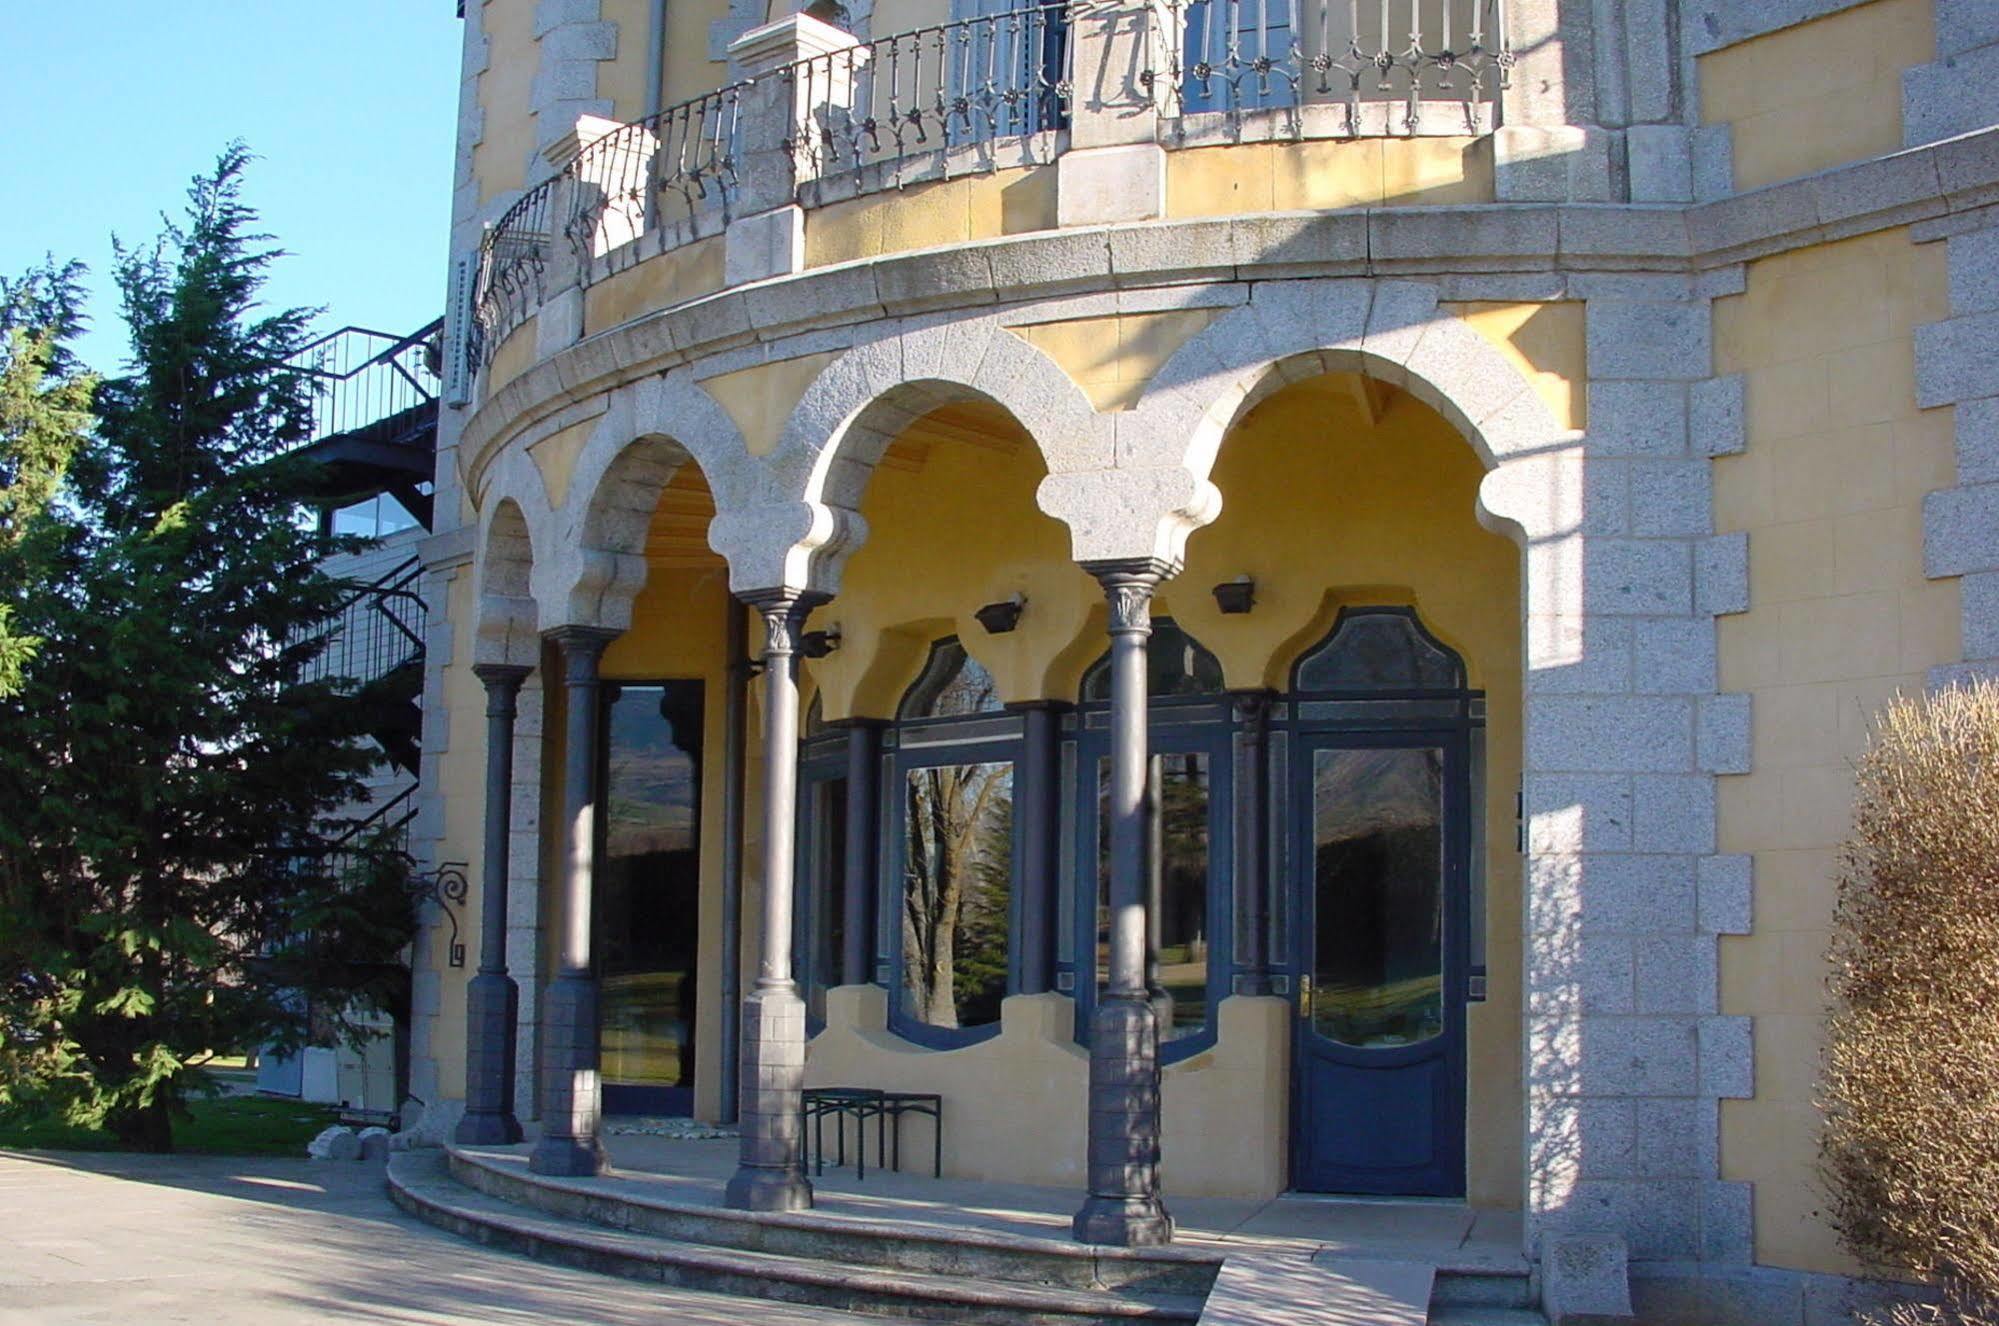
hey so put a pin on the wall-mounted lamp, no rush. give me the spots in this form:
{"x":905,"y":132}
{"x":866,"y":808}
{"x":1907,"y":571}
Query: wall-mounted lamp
{"x":818,"y":644}
{"x":1234,"y":596}
{"x":999,"y":618}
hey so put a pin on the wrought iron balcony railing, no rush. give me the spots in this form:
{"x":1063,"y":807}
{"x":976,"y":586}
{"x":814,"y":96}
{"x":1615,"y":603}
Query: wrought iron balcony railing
{"x":1401,"y":55}
{"x":370,"y":384}
{"x":995,"y":90}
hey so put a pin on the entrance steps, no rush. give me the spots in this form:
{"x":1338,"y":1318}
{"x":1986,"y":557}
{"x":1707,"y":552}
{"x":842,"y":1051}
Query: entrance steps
{"x":924,"y":1269}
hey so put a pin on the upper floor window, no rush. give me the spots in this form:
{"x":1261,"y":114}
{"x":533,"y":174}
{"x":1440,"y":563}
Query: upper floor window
{"x":374,"y":517}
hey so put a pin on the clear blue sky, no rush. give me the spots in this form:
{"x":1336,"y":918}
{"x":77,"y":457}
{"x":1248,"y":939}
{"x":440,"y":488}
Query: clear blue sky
{"x":110,"y":106}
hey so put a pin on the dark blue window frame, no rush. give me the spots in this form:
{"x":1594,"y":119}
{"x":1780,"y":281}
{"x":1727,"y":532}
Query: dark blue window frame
{"x":1178,"y":726}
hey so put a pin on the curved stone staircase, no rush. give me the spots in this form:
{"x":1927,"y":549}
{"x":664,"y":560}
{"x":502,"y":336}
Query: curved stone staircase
{"x":891,"y":1268}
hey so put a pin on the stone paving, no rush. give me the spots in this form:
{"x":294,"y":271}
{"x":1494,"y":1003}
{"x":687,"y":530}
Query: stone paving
{"x":139,"y":1240}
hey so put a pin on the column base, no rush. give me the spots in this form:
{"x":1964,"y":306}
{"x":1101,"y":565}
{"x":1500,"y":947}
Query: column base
{"x":487,"y":1128}
{"x":1125,"y":1222}
{"x":492,"y":1013}
{"x":569,"y":1090}
{"x":772,"y":1174}
{"x":1124,"y":1207}
{"x":568,"y":1157}
{"x":756,"y":1189}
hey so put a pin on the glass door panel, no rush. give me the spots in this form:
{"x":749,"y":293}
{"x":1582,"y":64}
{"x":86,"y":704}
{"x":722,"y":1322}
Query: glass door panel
{"x":1378,"y":879}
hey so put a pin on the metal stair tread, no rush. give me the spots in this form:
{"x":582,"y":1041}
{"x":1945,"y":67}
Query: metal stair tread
{"x":430,"y":1185}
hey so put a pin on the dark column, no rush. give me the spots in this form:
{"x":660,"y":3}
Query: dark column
{"x":1124,"y":1206}
{"x":735,"y":742}
{"x":1252,"y":841}
{"x":569,"y":1087}
{"x":771,"y":1176}
{"x":492,"y":1000}
{"x":857,"y":925}
{"x":1038,"y":802}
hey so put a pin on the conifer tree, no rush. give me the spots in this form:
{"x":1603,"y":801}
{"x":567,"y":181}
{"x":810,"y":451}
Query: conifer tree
{"x":166,"y":778}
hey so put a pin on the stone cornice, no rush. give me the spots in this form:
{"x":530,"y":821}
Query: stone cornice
{"x":1922,"y":183}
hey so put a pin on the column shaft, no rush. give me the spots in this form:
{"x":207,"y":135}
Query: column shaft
{"x":1124,"y":1206}
{"x":569,"y":1087}
{"x":771,"y":1176}
{"x":492,"y":999}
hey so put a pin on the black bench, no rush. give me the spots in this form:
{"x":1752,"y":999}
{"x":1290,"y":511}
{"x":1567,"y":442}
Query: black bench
{"x":861,"y":1104}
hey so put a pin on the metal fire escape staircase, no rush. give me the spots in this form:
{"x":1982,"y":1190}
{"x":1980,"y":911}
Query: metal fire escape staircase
{"x":375,"y":432}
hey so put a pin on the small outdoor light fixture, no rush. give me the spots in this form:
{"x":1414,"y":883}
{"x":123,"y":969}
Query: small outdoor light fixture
{"x":1234,"y":596}
{"x":999,"y":618}
{"x":818,"y":644}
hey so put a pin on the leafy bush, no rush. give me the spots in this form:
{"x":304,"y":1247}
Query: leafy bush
{"x":1910,"y":1089}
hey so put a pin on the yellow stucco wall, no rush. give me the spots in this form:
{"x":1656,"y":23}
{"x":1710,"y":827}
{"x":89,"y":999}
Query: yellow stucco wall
{"x":1322,"y":507}
{"x":759,"y":399}
{"x":506,"y":138}
{"x":1006,"y":202}
{"x":1327,"y":173}
{"x":1545,"y":342}
{"x":689,"y":72}
{"x":514,"y":357}
{"x":1113,"y":358}
{"x":461,"y":773}
{"x":622,"y":79}
{"x":1813,"y":96}
{"x":674,"y":277}
{"x":1830,"y":489}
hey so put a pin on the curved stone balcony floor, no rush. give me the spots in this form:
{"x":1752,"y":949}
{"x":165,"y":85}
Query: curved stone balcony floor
{"x":1542,"y":247}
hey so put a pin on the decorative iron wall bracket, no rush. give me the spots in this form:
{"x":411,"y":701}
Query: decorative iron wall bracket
{"x":447,"y":887}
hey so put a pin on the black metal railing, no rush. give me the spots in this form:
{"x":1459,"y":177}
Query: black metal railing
{"x":1242,"y":55}
{"x":959,"y":85}
{"x":512,"y":260}
{"x":371,"y":384}
{"x":879,"y":105}
{"x":377,"y":630}
{"x":965,"y":84}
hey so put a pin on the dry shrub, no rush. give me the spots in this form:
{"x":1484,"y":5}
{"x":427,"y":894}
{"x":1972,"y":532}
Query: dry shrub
{"x":1910,"y":1089}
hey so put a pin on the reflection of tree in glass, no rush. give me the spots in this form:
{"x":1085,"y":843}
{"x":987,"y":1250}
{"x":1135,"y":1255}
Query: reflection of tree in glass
{"x":1378,"y":978}
{"x":956,"y":874}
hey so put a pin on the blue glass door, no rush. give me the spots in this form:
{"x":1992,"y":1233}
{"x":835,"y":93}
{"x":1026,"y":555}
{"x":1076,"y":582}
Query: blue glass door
{"x":1378,"y":897}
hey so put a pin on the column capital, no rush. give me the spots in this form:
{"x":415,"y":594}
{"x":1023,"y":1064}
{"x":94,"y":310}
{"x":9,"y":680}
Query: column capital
{"x":581,"y":647}
{"x":501,"y":676}
{"x":581,"y":637}
{"x":1128,"y":586}
{"x":783,"y":611}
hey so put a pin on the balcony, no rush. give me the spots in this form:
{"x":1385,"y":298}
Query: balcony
{"x":820,"y":117}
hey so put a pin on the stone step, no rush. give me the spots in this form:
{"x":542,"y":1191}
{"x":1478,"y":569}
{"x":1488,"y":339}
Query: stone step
{"x":1479,"y":1316}
{"x":1465,"y":1286}
{"x":886,"y":1244}
{"x":421,"y":1183}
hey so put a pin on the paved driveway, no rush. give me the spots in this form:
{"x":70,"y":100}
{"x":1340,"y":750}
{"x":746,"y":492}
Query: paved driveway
{"x":138,"y":1240}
